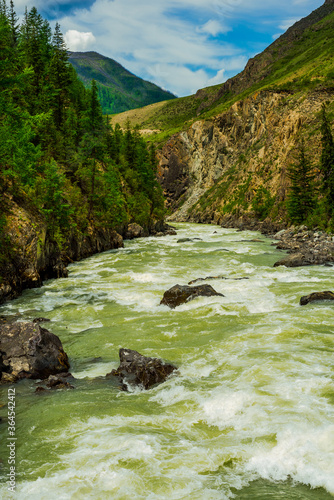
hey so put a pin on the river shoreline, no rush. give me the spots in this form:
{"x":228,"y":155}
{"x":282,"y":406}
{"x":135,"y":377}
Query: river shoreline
{"x":305,"y":246}
{"x":39,"y":256}
{"x":28,"y":269}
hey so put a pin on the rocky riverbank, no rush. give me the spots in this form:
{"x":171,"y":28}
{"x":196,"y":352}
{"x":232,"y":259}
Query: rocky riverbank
{"x":36,"y":255}
{"x":305,"y":246}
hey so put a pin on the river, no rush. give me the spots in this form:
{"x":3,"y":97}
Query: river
{"x":250,"y":414}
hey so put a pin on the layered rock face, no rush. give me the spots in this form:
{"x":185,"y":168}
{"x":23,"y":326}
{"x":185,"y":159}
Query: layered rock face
{"x":217,"y":166}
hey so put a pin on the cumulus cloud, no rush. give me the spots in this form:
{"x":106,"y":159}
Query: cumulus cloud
{"x":78,"y":40}
{"x":181,"y":45}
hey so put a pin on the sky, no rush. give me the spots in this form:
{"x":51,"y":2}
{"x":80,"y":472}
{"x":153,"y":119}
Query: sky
{"x":180,"y":45}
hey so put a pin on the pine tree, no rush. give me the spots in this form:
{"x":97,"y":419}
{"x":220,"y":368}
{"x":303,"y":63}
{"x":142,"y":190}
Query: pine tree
{"x":60,"y":76}
{"x":95,"y":111}
{"x":13,"y":21}
{"x":35,"y":47}
{"x":301,"y":201}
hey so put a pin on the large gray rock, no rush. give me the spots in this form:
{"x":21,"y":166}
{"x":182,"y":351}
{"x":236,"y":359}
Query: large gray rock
{"x":134,"y":231}
{"x":315,"y":297}
{"x":294,"y":260}
{"x":29,"y":351}
{"x":180,"y":294}
{"x":138,"y":370}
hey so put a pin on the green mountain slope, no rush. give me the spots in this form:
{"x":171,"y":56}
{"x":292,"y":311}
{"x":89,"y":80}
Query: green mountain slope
{"x":299,"y":60}
{"x":227,"y":151}
{"x":119,"y":90}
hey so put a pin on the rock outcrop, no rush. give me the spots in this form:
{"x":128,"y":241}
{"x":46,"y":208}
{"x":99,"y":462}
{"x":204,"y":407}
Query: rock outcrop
{"x":39,"y":256}
{"x":29,"y":351}
{"x":141,"y":371}
{"x":180,"y":294}
{"x":316,"y":297}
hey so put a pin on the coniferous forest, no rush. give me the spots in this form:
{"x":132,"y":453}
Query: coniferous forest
{"x":59,"y":156}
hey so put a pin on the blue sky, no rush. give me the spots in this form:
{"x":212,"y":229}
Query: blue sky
{"x":181,"y":45}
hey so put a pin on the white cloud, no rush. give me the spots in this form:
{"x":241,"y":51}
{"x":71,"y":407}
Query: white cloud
{"x":287,"y":23}
{"x":181,"y":79}
{"x":154,"y":42}
{"x":219,"y":78}
{"x":181,"y":45}
{"x":78,"y":40}
{"x":213,"y":28}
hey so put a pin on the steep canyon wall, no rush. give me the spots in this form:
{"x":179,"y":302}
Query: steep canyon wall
{"x":236,"y":162}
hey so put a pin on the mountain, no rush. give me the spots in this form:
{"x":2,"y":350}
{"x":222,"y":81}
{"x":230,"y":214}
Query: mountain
{"x":226,"y":151}
{"x":119,"y":90}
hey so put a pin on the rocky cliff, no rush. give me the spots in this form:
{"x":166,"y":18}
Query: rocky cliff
{"x":39,"y":255}
{"x":237,"y":161}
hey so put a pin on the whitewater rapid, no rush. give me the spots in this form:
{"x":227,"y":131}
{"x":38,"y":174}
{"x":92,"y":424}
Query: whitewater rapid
{"x":250,"y":413}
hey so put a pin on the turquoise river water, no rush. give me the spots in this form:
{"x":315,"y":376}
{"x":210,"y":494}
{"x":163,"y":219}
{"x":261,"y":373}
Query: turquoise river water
{"x":250,"y":414}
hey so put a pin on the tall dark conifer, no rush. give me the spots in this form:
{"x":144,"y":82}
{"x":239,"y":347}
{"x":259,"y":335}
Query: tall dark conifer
{"x":13,"y":21}
{"x":60,"y":75}
{"x":301,"y":198}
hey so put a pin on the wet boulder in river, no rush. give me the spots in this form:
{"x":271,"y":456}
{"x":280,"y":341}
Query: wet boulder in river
{"x":134,"y":231}
{"x":138,"y":370}
{"x":180,"y":294}
{"x":30,"y":351}
{"x":316,"y":296}
{"x":294,"y":260}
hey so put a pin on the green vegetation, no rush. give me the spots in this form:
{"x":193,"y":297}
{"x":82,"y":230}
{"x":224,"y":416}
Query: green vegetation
{"x":59,"y":157}
{"x":301,"y":199}
{"x":118,"y":89}
{"x":262,"y":203}
{"x":311,"y":201}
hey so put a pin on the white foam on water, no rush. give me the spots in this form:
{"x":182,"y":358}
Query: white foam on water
{"x":146,"y":277}
{"x":95,"y":370}
{"x":223,"y":406}
{"x":139,"y":301}
{"x":199,"y":368}
{"x":172,"y":395}
{"x":306,"y":455}
{"x":253,"y":389}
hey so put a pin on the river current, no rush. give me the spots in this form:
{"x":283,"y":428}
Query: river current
{"x":250,"y":413}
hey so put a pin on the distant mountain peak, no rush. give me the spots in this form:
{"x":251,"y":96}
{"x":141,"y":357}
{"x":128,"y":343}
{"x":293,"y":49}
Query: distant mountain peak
{"x":119,"y":89}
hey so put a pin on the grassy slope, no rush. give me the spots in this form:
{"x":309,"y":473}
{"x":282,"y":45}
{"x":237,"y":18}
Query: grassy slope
{"x":119,"y":89}
{"x":300,"y":60}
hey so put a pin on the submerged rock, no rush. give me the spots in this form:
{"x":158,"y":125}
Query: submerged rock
{"x":184,"y":240}
{"x":138,"y":370}
{"x":30,"y":351}
{"x":216,"y":278}
{"x":316,"y":296}
{"x":41,"y":320}
{"x":60,"y":381}
{"x":180,"y":294}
